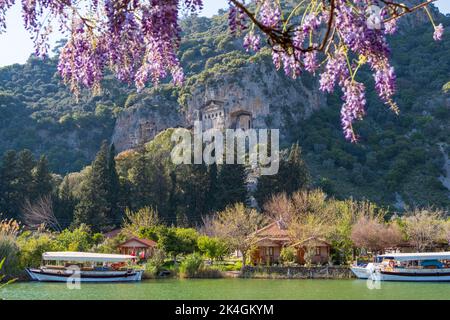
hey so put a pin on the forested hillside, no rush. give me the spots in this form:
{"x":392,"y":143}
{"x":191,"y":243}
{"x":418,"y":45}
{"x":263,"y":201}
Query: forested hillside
{"x":397,"y":158}
{"x":396,"y":154}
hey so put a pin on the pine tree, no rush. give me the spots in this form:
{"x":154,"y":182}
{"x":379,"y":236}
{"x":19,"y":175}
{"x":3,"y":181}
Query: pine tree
{"x":193,"y":191}
{"x":212,"y":187}
{"x":64,"y":204}
{"x":159,"y":186}
{"x":141,"y":192}
{"x":94,"y":207}
{"x":293,"y":175}
{"x":114,"y":187}
{"x":172,"y":201}
{"x":42,"y":179}
{"x":232,"y":184}
{"x":8,"y":185}
{"x":25,"y":165}
{"x":266,"y":187}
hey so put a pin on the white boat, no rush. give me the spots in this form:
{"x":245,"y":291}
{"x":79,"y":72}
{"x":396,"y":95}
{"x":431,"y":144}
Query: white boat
{"x":420,"y":267}
{"x":85,"y":267}
{"x":363,"y":272}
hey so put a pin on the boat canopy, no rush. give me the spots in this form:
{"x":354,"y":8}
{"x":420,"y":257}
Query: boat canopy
{"x":416,"y":256}
{"x":85,"y":257}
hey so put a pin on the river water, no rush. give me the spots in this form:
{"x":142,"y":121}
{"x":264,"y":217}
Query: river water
{"x":230,"y":289}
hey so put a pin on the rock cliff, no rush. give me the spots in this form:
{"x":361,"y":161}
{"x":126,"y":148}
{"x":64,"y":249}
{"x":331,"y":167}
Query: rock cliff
{"x":255,"y":95}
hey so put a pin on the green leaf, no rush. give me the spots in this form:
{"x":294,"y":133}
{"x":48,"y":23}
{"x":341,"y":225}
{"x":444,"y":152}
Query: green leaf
{"x":3,"y":276}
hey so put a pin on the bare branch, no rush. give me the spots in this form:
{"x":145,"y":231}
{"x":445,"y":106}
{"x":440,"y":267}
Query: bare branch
{"x":40,"y":213}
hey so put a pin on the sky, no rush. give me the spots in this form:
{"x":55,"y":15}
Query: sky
{"x":16,"y":44}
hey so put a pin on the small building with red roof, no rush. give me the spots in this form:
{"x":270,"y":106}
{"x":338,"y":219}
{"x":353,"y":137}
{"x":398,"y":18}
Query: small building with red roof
{"x":271,"y":239}
{"x":143,"y":248}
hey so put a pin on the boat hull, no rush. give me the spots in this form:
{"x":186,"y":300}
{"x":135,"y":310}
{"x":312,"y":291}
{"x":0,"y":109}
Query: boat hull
{"x":414,"y":277}
{"x":43,"y":276}
{"x":361,"y":272}
{"x":374,"y":273}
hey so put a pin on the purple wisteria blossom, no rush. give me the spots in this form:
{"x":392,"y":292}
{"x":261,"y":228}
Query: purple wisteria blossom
{"x":4,"y":6}
{"x":252,"y":42}
{"x":310,"y":61}
{"x":336,"y":70}
{"x":390,"y":27}
{"x":236,"y":19}
{"x":438,"y":32}
{"x":270,"y":13}
{"x":139,"y":40}
{"x":353,"y":107}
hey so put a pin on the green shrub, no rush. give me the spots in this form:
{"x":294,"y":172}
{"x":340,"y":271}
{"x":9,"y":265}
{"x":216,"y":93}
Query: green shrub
{"x":78,"y":239}
{"x":191,"y":266}
{"x":2,"y":276}
{"x":151,"y":271}
{"x":176,"y":241}
{"x":212,"y":248}
{"x":32,"y":246}
{"x":288,"y":255}
{"x":155,"y":264}
{"x":98,"y":238}
{"x":110,"y":245}
{"x":233,"y":267}
{"x":9,"y":253}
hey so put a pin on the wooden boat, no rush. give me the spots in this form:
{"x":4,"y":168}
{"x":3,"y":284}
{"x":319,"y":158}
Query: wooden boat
{"x":85,"y":267}
{"x":420,"y":267}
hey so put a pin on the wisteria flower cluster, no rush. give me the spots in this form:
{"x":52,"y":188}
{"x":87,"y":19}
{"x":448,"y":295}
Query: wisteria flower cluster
{"x":334,"y":38}
{"x":138,"y":40}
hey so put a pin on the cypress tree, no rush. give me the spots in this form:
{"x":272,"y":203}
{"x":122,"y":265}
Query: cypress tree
{"x":114,"y":187}
{"x":42,"y":179}
{"x":293,"y":175}
{"x":212,"y":187}
{"x":192,"y":199}
{"x":8,"y":185}
{"x":266,"y":187}
{"x":64,"y":203}
{"x":172,"y":201}
{"x":159,"y":185}
{"x":94,"y":207}
{"x":232,"y":184}
{"x":141,"y":187}
{"x":25,"y":166}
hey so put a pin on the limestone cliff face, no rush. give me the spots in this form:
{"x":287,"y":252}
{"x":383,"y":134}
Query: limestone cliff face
{"x":255,"y":95}
{"x":231,"y":93}
{"x":146,"y":115}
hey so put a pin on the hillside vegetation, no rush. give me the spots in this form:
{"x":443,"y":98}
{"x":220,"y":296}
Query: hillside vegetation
{"x":397,"y":160}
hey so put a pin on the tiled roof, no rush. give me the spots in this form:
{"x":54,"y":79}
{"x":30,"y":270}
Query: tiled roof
{"x":112,"y":234}
{"x":273,"y":230}
{"x":146,"y":242}
{"x":314,"y":240}
{"x":278,"y":240}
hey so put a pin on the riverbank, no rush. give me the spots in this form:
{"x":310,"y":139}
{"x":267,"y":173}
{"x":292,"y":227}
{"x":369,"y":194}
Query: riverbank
{"x":269,"y":272}
{"x":297,"y":272}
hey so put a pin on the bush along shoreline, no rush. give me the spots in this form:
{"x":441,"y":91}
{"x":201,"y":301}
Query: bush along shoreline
{"x":322,"y":237}
{"x":194,"y":268}
{"x":297,"y":272}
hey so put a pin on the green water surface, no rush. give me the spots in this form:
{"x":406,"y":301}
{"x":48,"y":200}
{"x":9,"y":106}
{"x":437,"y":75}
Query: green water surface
{"x":229,"y":289}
